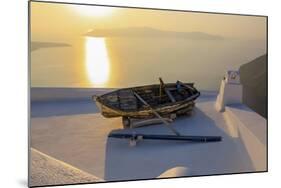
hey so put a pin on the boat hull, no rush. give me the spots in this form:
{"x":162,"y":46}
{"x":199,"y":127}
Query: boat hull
{"x":179,"y":107}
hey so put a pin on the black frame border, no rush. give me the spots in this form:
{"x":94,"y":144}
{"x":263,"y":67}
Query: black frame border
{"x":143,"y":8}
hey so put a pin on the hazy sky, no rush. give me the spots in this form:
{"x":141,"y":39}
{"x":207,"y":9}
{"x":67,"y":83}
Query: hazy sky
{"x":190,"y":49}
{"x":56,"y":20}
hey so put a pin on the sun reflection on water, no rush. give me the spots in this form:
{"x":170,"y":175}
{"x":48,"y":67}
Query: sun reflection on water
{"x":97,"y":61}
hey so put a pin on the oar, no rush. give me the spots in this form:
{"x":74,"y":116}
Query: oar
{"x":186,"y":86}
{"x":167,"y":91}
{"x":157,"y":114}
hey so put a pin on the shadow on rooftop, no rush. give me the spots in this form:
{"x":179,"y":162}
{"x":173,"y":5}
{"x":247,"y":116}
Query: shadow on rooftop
{"x":61,"y":108}
{"x":150,"y":158}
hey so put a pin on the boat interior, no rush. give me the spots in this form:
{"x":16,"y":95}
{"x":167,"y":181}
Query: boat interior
{"x":153,"y":95}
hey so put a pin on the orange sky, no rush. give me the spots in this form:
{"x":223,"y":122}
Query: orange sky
{"x":69,"y":59}
{"x":62,"y":20}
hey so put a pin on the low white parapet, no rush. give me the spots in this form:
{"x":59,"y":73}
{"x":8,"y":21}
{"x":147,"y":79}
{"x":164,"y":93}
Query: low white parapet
{"x":230,"y":91}
{"x":252,"y":130}
{"x":242,"y":122}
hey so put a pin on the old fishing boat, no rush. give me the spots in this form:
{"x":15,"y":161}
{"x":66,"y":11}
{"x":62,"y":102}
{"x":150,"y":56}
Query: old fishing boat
{"x":143,"y":101}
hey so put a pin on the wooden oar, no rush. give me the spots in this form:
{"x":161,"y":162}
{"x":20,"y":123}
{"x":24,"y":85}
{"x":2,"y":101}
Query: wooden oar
{"x":157,"y":114}
{"x":186,"y":86}
{"x":167,"y":91}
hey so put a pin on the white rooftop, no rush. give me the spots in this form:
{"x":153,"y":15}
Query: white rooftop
{"x":74,"y":132}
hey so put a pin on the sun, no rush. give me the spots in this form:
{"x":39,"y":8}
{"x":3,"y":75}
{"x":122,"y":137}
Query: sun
{"x":88,"y":10}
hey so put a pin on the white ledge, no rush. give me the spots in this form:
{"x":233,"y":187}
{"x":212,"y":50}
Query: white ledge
{"x":252,"y":129}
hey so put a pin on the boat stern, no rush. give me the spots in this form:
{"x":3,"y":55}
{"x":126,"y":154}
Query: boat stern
{"x":105,"y":111}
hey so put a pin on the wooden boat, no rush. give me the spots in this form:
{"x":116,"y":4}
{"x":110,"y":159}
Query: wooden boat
{"x":166,"y":99}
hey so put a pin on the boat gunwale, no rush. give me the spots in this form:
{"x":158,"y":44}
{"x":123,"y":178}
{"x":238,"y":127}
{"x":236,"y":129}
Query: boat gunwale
{"x":158,"y":108}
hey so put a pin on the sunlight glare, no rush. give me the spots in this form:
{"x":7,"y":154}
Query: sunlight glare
{"x":94,"y":11}
{"x":97,"y":62}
